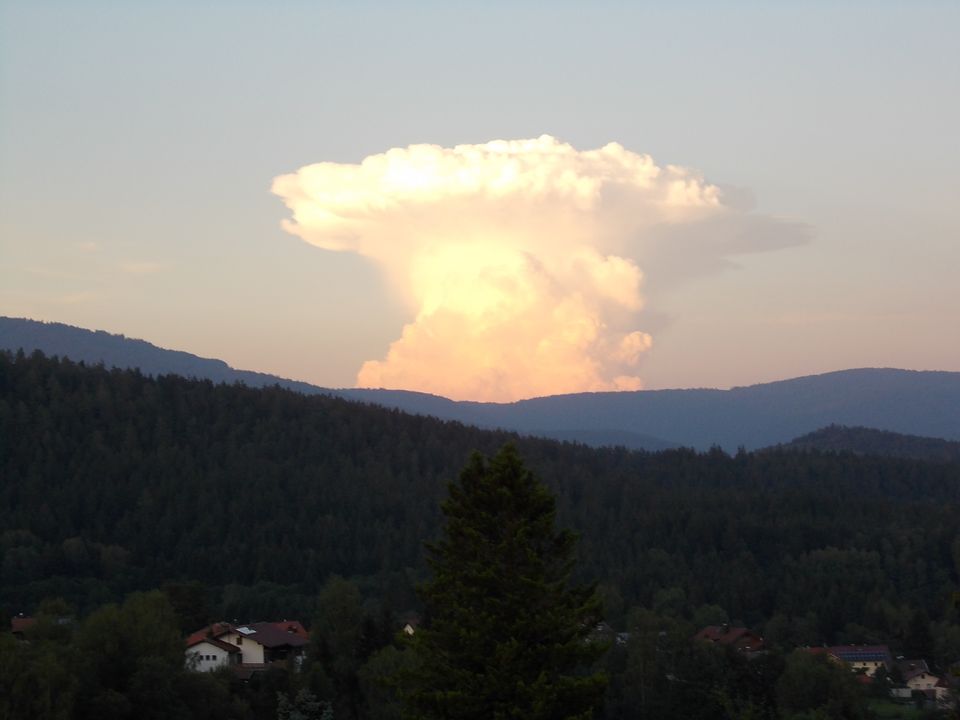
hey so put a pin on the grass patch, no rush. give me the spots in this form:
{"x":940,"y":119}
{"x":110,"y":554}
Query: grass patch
{"x":888,"y":709}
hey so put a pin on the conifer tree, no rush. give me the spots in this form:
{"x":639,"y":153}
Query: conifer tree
{"x":506,"y":634}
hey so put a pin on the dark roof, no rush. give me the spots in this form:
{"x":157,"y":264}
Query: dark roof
{"x":269,"y":635}
{"x":912,"y":668}
{"x":292,"y":626}
{"x":861,"y":653}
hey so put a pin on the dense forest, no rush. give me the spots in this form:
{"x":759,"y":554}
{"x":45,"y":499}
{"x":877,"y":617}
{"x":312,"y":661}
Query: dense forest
{"x":869,"y":441}
{"x":112,"y":482}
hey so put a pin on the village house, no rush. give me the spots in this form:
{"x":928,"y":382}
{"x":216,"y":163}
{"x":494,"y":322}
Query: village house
{"x":20,"y":624}
{"x":866,"y":660}
{"x":740,"y":639}
{"x":862,"y":659}
{"x":916,"y":674}
{"x":210,"y":653}
{"x":246,"y":648}
{"x":918,"y":678}
{"x":411,"y":621}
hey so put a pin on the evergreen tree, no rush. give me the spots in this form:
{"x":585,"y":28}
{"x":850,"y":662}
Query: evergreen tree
{"x":506,"y":635}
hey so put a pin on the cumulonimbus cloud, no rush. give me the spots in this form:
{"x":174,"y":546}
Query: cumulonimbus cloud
{"x":522,"y":259}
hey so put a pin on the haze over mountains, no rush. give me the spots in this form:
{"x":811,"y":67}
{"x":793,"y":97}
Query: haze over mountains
{"x":923,"y":403}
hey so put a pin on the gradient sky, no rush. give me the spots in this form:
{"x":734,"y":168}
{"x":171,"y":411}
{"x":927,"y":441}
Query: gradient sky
{"x":139,"y":142}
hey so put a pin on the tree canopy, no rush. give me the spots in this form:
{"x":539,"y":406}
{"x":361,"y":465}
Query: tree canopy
{"x":506,"y":631}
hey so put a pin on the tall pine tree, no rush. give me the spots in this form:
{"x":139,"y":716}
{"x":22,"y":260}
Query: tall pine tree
{"x":505,"y":635}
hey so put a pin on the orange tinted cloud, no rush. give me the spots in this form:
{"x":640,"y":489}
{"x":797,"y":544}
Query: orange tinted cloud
{"x":520,"y":258}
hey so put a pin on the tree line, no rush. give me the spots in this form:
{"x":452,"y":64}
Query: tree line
{"x":112,"y":482}
{"x":506,"y":635}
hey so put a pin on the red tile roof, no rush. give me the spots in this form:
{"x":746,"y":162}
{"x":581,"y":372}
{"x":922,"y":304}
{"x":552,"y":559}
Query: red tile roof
{"x":215,"y":630}
{"x":292,"y":626}
{"x":222,"y":644}
{"x":21,"y":624}
{"x":740,"y":637}
{"x":268,"y":634}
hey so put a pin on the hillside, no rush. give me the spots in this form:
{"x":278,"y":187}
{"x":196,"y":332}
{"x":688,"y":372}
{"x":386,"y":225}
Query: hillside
{"x":867,"y":441}
{"x":113,"y":481}
{"x":902,"y":401}
{"x":96,"y":346}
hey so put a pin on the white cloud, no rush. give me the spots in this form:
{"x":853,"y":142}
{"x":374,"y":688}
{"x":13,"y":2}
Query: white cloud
{"x":522,"y":259}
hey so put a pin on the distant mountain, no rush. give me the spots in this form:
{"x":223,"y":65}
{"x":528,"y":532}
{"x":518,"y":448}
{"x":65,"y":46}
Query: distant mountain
{"x":902,"y":401}
{"x":97,"y":346}
{"x":867,"y":441}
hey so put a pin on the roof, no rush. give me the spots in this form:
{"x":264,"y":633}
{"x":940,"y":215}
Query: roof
{"x":21,"y":624}
{"x":269,"y":635}
{"x":861,"y":653}
{"x":222,"y":644}
{"x":293,"y":627}
{"x":215,"y":630}
{"x":913,"y":668}
{"x":727,"y":635}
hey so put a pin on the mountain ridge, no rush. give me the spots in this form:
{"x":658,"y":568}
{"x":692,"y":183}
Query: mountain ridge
{"x":914,"y":402}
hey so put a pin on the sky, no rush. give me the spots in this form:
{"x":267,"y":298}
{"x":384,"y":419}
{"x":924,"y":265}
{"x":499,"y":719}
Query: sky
{"x":489,"y":200}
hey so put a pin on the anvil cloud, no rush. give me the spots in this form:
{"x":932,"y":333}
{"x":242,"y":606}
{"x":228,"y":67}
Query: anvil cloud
{"x":523,"y":261}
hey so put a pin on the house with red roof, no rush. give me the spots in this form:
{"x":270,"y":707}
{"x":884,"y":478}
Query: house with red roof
{"x":209,"y":653}
{"x":246,"y":648}
{"x":20,"y":624}
{"x":740,"y":639}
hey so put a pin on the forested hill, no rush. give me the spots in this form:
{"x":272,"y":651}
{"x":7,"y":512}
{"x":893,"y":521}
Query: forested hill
{"x":97,"y":346}
{"x":867,"y":441}
{"x":916,"y":403}
{"x":111,"y":481}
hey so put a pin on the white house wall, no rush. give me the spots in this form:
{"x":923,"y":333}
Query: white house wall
{"x":207,"y":657}
{"x":251,"y":651}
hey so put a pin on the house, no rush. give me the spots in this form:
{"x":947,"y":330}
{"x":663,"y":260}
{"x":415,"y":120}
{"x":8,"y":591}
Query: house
{"x":20,"y":624}
{"x":917,"y":678}
{"x":864,"y":659}
{"x":209,"y":653}
{"x":917,"y":675}
{"x":411,"y":621}
{"x":265,"y":643}
{"x":246,"y":648}
{"x":740,"y":639}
